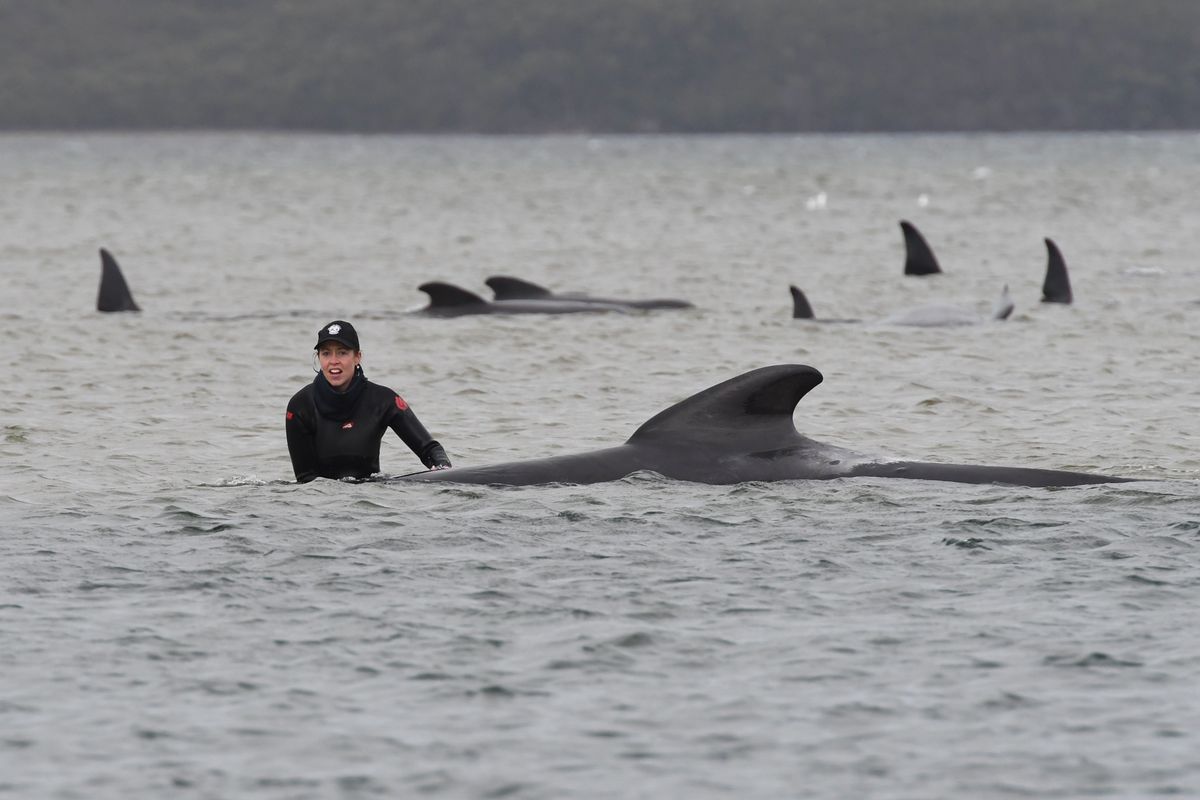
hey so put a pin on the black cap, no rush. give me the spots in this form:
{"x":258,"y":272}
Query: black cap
{"x":338,"y":331}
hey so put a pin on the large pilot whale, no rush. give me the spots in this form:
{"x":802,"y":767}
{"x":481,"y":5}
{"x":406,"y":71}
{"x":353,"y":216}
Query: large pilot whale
{"x":737,"y":431}
{"x":926,"y":316}
{"x":448,"y":300}
{"x":505,"y":287}
{"x":918,"y":256}
{"x":114,"y":292}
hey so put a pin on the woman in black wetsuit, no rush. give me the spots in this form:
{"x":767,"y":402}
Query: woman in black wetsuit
{"x":335,"y":424}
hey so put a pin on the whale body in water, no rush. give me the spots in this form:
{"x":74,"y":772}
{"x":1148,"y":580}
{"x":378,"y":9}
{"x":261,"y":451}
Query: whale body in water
{"x":737,"y":431}
{"x":926,"y":316}
{"x":448,"y":300}
{"x":505,"y":287}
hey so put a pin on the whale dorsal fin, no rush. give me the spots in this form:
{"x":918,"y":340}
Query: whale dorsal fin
{"x":444,"y":295}
{"x":1004,"y":305}
{"x":918,"y":257}
{"x":800,"y":307}
{"x":508,"y":288}
{"x":1057,"y":286}
{"x":755,"y":407}
{"x":114,"y":292}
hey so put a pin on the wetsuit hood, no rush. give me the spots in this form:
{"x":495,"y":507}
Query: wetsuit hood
{"x":336,"y":405}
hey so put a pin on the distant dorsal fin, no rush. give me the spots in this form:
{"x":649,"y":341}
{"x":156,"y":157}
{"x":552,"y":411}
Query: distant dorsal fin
{"x":114,"y":292}
{"x":800,"y":307}
{"x":508,"y":288}
{"x":1004,"y":305}
{"x":1057,"y":286}
{"x":755,"y":407}
{"x":442,"y":295}
{"x":918,"y":257}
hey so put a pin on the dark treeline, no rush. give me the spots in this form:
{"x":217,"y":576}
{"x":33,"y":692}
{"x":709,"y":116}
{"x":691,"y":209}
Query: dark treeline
{"x":600,"y":65}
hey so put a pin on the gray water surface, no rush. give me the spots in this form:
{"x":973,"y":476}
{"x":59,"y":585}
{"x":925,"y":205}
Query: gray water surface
{"x":180,"y":620}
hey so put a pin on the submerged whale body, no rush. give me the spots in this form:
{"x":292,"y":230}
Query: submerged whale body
{"x":448,"y":300}
{"x":918,"y":256}
{"x":802,"y":309}
{"x":505,"y":287}
{"x":737,"y":431}
{"x":1056,"y":288}
{"x":928,"y":316}
{"x":944,"y":316}
{"x":114,"y":292}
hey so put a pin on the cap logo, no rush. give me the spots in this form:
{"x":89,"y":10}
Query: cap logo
{"x":333,"y":330}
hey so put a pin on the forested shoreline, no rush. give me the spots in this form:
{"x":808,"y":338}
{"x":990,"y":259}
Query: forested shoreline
{"x":538,"y":66}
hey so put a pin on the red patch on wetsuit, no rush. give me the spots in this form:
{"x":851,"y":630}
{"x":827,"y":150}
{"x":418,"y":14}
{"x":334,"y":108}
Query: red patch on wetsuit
{"x":347,"y":425}
{"x":289,"y":416}
{"x":400,"y":404}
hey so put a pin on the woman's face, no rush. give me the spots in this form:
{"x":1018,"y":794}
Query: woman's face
{"x":337,"y":363}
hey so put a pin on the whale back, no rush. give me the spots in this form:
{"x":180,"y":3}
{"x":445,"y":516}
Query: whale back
{"x":737,"y":431}
{"x":505,"y":287}
{"x":448,"y":296}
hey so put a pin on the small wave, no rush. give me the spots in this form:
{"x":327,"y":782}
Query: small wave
{"x":247,"y":480}
{"x":970,"y":543}
{"x":1095,"y":659}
